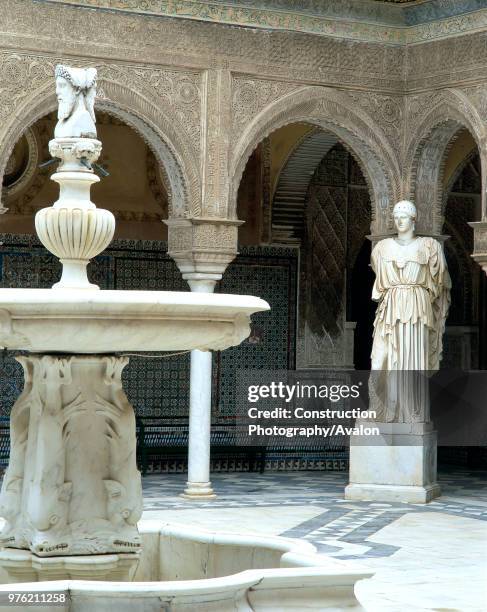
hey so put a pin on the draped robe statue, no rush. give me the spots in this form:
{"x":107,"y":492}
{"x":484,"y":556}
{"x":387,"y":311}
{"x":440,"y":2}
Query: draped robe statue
{"x":412,"y":287}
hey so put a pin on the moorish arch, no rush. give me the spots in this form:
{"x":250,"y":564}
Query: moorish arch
{"x":332,"y":112}
{"x":465,"y":335}
{"x":321,"y":202}
{"x":293,"y":181}
{"x":427,"y":152}
{"x":468,"y":159}
{"x":153,"y":124}
{"x":336,"y":222}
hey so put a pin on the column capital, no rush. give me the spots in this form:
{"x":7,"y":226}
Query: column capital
{"x":202,"y":247}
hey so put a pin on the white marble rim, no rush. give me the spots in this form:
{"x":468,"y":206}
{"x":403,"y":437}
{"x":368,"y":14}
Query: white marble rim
{"x":42,"y":303}
{"x":301,"y":567}
{"x":256,"y":579}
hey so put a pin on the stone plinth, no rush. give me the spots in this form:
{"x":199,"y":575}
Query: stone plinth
{"x":397,"y":465}
{"x":72,"y":486}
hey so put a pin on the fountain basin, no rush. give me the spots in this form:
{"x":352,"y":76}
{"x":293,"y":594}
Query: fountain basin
{"x":78,"y":321}
{"x":72,"y":486}
{"x":182,"y":568}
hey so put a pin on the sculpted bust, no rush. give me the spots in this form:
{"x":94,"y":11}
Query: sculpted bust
{"x":75,"y":92}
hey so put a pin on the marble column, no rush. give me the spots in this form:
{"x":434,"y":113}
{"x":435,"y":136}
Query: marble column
{"x":198,"y":484}
{"x":202,"y":249}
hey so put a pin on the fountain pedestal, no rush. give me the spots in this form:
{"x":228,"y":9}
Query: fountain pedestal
{"x":73,"y":228}
{"x":72,"y":486}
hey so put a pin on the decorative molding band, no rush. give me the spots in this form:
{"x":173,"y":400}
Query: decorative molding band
{"x":362,"y":20}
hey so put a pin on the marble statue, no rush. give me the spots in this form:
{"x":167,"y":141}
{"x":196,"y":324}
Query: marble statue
{"x":412,"y":288}
{"x":75,"y":92}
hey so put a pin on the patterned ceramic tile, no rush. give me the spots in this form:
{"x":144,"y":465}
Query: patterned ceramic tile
{"x":159,"y":386}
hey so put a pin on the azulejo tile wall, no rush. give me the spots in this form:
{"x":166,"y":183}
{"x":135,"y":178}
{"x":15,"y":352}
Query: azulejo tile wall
{"x":160,"y":386}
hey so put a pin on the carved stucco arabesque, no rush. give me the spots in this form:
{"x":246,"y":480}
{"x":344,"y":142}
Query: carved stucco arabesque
{"x":203,"y":122}
{"x":163,"y":106}
{"x":433,"y":120}
{"x":354,"y":118}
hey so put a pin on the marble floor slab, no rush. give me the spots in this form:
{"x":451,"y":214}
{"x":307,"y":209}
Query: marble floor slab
{"x":272,"y":520}
{"x":426,"y":557}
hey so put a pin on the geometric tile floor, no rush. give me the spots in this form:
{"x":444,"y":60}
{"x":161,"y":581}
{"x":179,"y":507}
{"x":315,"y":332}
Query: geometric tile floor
{"x":341,"y":523}
{"x":426,"y":556}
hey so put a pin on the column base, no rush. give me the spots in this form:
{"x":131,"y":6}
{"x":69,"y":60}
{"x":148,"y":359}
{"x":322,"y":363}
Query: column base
{"x":392,"y":493}
{"x":198,"y":490}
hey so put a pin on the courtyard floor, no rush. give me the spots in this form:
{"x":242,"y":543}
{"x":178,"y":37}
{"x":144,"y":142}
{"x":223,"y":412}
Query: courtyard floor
{"x":426,"y":557}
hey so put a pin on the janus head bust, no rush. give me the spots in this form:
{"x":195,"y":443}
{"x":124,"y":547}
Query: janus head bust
{"x":75,"y":92}
{"x":404,"y":214}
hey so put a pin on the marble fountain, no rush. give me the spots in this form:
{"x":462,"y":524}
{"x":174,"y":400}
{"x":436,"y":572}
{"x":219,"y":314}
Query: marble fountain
{"x":71,"y":497}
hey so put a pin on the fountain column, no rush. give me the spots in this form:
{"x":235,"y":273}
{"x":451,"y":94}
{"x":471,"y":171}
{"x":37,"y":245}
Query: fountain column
{"x":202,"y":249}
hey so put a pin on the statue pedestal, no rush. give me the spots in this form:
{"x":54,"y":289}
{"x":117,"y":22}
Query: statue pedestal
{"x":72,"y":486}
{"x":398,"y":465}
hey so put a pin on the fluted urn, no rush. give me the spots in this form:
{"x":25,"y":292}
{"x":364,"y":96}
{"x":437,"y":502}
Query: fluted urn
{"x":74,"y":229}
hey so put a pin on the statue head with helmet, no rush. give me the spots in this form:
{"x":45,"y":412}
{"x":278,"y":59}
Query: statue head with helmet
{"x":404,"y":214}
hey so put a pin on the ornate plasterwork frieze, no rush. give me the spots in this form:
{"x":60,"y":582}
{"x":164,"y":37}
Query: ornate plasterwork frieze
{"x":199,"y":45}
{"x":162,"y":105}
{"x":387,"y":112}
{"x":358,"y":20}
{"x":477,"y":96}
{"x":455,"y":26}
{"x":179,"y":91}
{"x":451,"y":62}
{"x":250,"y":96}
{"x":327,"y":60}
